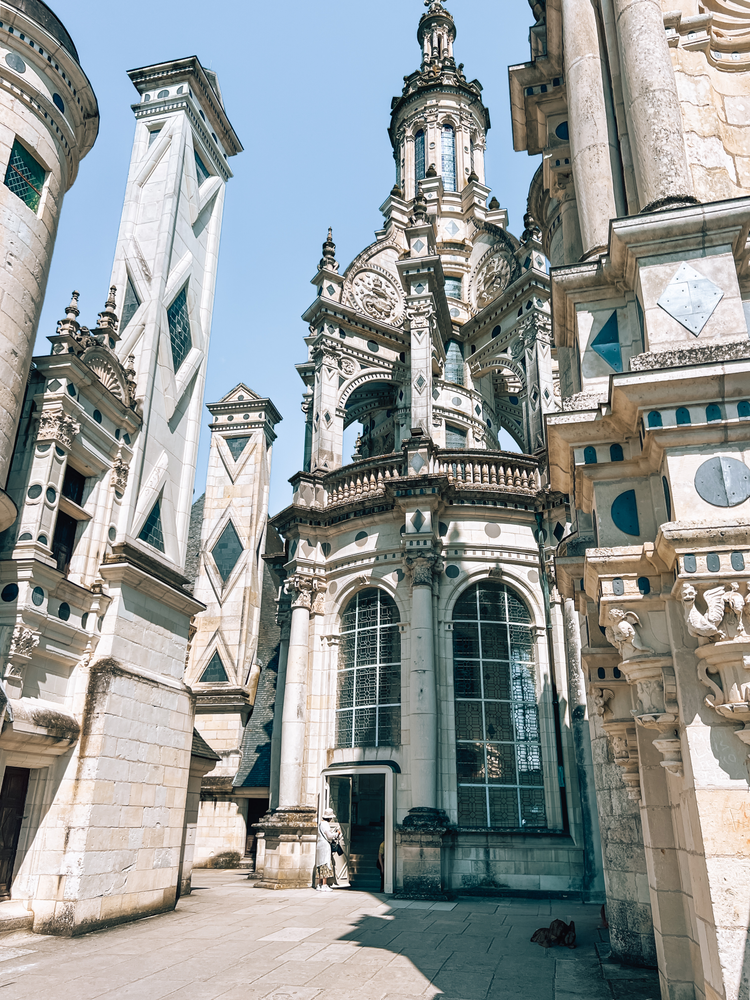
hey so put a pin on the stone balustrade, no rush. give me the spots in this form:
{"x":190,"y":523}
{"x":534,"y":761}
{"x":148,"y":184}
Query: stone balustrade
{"x":488,"y":470}
{"x":363,"y":479}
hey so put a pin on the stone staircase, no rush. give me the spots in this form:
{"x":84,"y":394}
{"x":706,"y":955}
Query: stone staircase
{"x":363,"y":869}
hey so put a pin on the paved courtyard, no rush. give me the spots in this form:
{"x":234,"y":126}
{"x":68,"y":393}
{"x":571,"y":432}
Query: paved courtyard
{"x":229,"y":941}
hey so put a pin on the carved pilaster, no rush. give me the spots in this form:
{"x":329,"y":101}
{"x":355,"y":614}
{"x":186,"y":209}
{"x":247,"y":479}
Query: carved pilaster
{"x":623,"y":741}
{"x":120,"y":471}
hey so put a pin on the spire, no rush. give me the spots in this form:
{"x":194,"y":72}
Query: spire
{"x":437,"y":33}
{"x":108,"y":317}
{"x":70,"y":323}
{"x":329,"y":262}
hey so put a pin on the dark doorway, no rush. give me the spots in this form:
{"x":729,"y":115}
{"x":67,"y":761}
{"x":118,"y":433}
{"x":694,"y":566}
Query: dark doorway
{"x":359,"y":804}
{"x":12,"y":802}
{"x":256,"y":810}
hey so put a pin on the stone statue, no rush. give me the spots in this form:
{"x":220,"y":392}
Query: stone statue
{"x":621,"y":633}
{"x":704,"y":626}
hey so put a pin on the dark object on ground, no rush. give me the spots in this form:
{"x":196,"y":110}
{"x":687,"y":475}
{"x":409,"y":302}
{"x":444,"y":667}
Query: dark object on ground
{"x":558,"y":932}
{"x":605,"y":922}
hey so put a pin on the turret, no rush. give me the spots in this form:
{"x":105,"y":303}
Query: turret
{"x":439,"y":124}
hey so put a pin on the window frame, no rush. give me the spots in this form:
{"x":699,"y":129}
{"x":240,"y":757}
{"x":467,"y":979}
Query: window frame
{"x":357,"y":669}
{"x":547,"y":740}
{"x":40,"y":191}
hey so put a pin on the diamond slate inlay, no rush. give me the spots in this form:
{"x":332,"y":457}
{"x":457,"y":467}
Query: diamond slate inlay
{"x":418,"y":520}
{"x":607,"y":343}
{"x":227,"y":551}
{"x":451,"y":228}
{"x":419,"y":246}
{"x":691,"y":299}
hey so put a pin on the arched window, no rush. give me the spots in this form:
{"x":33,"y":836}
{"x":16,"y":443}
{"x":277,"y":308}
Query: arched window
{"x":368,"y":704}
{"x":654,"y":419}
{"x":419,"y":165}
{"x":743,"y":410}
{"x":616,"y":453}
{"x":713,"y":412}
{"x":683,"y":415}
{"x":498,"y":742}
{"x":454,"y":363}
{"x":449,"y":158}
{"x":589,"y":455}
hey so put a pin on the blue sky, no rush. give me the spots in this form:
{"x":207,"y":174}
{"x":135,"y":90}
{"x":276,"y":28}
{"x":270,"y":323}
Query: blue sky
{"x":308,"y":88}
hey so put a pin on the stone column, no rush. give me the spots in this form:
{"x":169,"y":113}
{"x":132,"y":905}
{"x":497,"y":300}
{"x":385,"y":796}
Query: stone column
{"x":283,"y":620}
{"x":420,"y":839}
{"x":423,"y":684}
{"x":294,"y":717}
{"x":587,"y":124}
{"x":651,"y":106}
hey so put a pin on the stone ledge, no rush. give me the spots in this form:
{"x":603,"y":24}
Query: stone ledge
{"x":735,"y":350}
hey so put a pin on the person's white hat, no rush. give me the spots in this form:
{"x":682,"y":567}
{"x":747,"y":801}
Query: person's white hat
{"x":329,"y":814}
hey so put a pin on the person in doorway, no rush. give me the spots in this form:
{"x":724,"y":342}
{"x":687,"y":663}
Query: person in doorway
{"x":381,"y":866}
{"x":328,"y":834}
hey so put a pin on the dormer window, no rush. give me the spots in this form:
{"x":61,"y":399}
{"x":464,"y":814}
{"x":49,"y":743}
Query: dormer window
{"x":453,"y":288}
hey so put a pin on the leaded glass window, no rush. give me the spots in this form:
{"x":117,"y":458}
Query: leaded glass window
{"x":130,"y":305}
{"x":25,"y":176}
{"x":498,"y":741}
{"x":449,"y":158}
{"x":453,"y":287}
{"x":237,"y":446}
{"x":368,"y":710}
{"x":454,"y":363}
{"x":201,"y":170}
{"x":227,"y":551}
{"x":215,"y":672}
{"x":151,"y":531}
{"x":179,"y":329}
{"x":419,"y":159}
{"x":455,"y":438}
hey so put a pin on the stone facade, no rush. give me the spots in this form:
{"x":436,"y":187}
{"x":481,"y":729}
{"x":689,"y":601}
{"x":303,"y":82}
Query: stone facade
{"x":100,"y":764}
{"x":435,"y":338}
{"x":225,"y":666}
{"x":49,"y":122}
{"x":649,"y":293}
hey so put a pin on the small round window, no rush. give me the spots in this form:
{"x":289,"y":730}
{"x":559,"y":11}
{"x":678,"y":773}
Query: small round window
{"x":51,"y":494}
{"x":37,"y":596}
{"x":63,"y":612}
{"x":34,"y":491}
{"x":10,"y":592}
{"x":15,"y":62}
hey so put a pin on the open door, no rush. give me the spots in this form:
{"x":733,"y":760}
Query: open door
{"x":340,"y":800}
{"x":12,"y":803}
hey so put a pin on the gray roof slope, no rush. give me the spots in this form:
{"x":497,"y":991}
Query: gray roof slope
{"x":201,"y":748}
{"x":255,"y":768}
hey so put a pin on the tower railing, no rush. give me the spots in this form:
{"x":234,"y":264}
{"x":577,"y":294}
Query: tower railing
{"x":465,"y":471}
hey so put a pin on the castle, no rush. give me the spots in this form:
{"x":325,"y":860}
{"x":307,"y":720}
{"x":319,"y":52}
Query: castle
{"x":520,"y":672}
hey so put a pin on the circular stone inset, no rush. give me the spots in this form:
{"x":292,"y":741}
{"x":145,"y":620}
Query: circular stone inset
{"x":492,"y":530}
{"x":453,"y":572}
{"x":533,"y":576}
{"x":333,"y":588}
{"x":34,"y":491}
{"x":361,"y":538}
{"x":457,"y":401}
{"x":15,"y":62}
{"x":723,"y":482}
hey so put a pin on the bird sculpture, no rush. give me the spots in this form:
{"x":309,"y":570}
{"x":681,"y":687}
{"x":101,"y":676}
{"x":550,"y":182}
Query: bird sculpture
{"x":621,"y":633}
{"x":704,"y":626}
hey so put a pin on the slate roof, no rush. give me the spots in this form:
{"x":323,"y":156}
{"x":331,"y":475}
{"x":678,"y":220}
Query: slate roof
{"x":255,"y":767}
{"x":201,"y":748}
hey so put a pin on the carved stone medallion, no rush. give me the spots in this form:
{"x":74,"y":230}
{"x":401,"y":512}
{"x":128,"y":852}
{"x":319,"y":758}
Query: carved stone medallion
{"x":492,"y":280}
{"x":376,"y":295}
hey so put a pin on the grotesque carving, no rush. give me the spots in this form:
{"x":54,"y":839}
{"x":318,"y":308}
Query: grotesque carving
{"x":621,"y":633}
{"x":348,"y":366}
{"x":120,"y":472}
{"x":725,"y":611}
{"x":602,"y":697}
{"x":375,"y":295}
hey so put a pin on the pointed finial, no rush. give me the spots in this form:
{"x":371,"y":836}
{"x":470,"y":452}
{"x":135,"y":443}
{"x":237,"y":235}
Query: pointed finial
{"x":328,"y":261}
{"x":108,"y":317}
{"x":420,"y":207}
{"x":494,"y":204}
{"x":70,"y":323}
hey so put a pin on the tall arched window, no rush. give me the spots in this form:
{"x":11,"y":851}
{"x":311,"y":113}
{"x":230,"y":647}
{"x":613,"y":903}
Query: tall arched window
{"x":368,"y":708}
{"x":498,"y":741}
{"x":419,"y":160}
{"x":449,"y":158}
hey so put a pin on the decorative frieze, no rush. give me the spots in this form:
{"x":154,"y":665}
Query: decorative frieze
{"x":120,"y":471}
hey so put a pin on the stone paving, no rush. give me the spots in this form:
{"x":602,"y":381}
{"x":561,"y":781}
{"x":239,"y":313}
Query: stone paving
{"x":230,"y":941}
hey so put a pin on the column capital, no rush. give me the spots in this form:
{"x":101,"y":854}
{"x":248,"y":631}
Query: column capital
{"x":306,"y":592}
{"x":421,"y":570}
